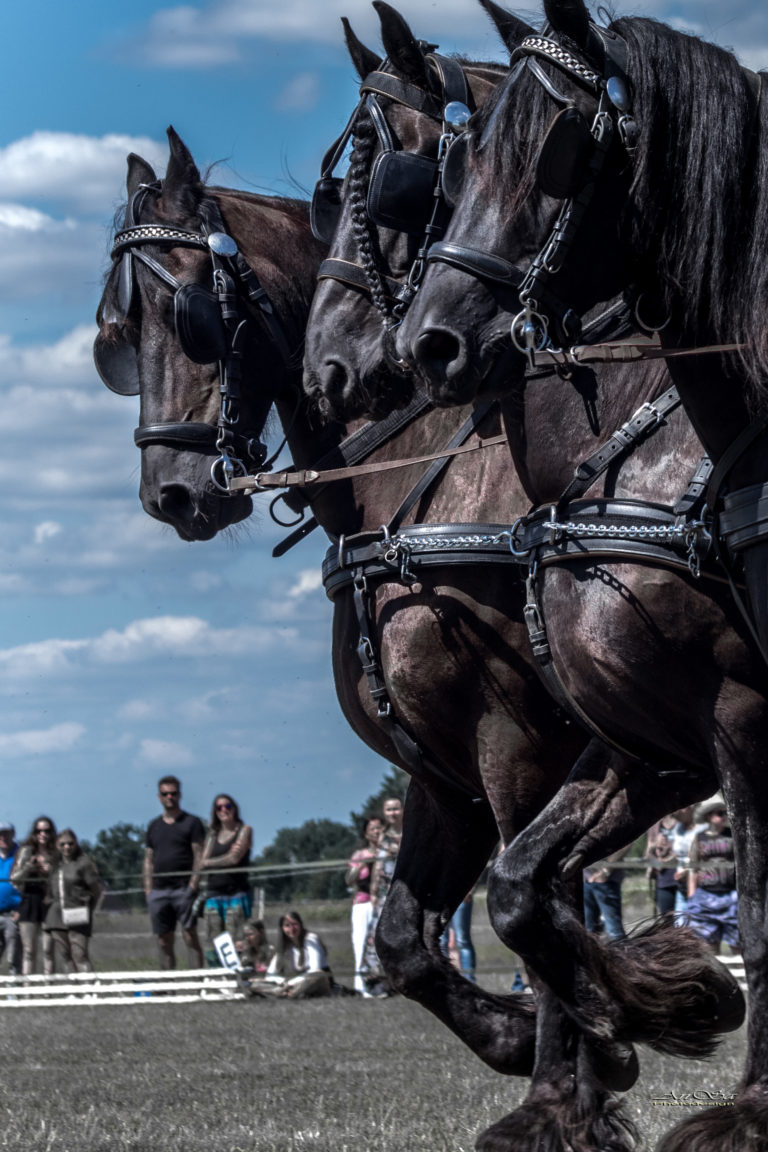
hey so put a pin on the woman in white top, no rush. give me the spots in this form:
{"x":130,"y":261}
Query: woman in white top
{"x":301,"y":960}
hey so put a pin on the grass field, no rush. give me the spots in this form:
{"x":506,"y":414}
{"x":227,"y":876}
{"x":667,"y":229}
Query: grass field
{"x":342,"y":1075}
{"x":330,"y":1075}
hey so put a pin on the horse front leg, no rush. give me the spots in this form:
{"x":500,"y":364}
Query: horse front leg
{"x":661,"y":986}
{"x":447,"y":841}
{"x":567,"y":1108}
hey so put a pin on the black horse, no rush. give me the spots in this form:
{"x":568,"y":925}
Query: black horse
{"x":347,"y":355}
{"x":554,"y":213}
{"x":466,"y":713}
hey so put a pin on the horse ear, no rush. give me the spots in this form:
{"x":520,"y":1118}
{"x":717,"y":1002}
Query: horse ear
{"x":139,"y":172}
{"x":511,"y":30}
{"x":182,"y":185}
{"x":570,"y":18}
{"x":401,"y":46}
{"x":363,"y":58}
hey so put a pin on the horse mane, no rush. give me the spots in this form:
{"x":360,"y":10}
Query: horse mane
{"x":699,"y":198}
{"x":511,"y":154}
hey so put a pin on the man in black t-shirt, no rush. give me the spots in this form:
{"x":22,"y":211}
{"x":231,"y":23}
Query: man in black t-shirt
{"x":174,"y":844}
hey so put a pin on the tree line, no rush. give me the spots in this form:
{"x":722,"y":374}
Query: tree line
{"x":118,"y":851}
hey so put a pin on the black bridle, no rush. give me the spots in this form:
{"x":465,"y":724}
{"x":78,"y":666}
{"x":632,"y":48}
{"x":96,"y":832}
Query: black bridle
{"x":404,"y":191}
{"x":543,"y":314}
{"x":210,"y":326}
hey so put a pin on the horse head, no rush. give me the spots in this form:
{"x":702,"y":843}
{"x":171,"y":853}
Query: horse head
{"x":189,"y":322}
{"x":378,"y":221}
{"x":537,"y":184}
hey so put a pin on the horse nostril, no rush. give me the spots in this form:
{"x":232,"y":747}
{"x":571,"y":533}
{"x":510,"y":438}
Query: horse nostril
{"x":437,"y":350}
{"x":335,"y":379}
{"x":175,"y":502}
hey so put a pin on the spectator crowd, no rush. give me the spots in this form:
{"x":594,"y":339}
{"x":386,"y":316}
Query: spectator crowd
{"x":50,"y":888}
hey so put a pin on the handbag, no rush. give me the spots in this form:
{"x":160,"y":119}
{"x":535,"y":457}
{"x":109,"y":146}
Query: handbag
{"x":72,"y":917}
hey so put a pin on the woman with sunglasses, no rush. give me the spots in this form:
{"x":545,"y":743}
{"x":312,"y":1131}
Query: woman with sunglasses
{"x":36,"y":861}
{"x":226,"y":851}
{"x":74,"y":889}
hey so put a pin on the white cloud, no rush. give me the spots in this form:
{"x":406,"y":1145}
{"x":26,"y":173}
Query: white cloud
{"x":43,"y":255}
{"x":46,"y":531}
{"x":138,"y":710}
{"x":308,"y":580}
{"x":143,"y":639}
{"x":218,"y":33}
{"x":59,"y":738}
{"x":165,"y":753}
{"x":39,"y":657}
{"x":300,"y":94}
{"x":86,"y":172}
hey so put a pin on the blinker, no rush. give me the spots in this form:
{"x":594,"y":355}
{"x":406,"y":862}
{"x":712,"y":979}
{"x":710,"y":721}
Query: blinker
{"x":117,"y":365}
{"x":456,"y":116}
{"x":222,"y":244}
{"x":564,"y":155}
{"x":325,"y":209}
{"x":400,"y":191}
{"x":454,"y":165}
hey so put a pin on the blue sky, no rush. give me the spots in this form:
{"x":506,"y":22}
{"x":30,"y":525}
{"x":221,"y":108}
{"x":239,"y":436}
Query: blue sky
{"x":125,"y":652}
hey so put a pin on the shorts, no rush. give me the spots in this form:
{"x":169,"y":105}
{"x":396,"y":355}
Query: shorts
{"x":166,"y":908}
{"x":713,"y":916}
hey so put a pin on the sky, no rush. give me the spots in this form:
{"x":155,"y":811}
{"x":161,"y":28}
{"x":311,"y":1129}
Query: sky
{"x":125,"y":652}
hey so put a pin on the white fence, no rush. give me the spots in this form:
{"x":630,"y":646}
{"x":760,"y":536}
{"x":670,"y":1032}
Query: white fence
{"x":194,"y":986}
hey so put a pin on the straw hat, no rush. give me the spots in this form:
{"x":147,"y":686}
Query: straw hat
{"x":706,"y":807}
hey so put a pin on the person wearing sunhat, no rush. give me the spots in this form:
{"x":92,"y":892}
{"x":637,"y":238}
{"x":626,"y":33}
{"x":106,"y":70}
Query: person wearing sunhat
{"x":10,"y":898}
{"x":712,"y":897}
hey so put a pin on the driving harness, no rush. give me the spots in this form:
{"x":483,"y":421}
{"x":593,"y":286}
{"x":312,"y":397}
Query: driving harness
{"x":210,"y":326}
{"x":403,"y":188}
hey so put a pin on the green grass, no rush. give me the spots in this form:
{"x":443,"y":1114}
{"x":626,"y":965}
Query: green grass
{"x":341,"y":1075}
{"x":263,"y":1076}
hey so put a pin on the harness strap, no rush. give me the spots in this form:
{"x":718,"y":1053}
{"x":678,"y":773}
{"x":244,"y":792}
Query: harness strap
{"x":453,"y":82}
{"x":624,"y":440}
{"x":623,"y":352}
{"x":437,"y":466}
{"x":744,"y":519}
{"x":415,"y":761}
{"x":694,"y":494}
{"x":385,"y":84}
{"x":414,"y":547}
{"x":307,"y":476}
{"x":334,"y":268}
{"x":354,"y":448}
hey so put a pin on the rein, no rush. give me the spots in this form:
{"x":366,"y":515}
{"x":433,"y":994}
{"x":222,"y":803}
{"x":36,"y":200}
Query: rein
{"x":305,"y":477}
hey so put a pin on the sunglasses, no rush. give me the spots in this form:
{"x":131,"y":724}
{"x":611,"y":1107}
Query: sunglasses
{"x":66,"y":843}
{"x":43,"y":831}
{"x":175,"y":792}
{"x":226,"y":805}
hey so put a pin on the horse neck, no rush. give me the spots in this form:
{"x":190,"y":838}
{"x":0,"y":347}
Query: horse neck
{"x":559,"y":422}
{"x":477,"y":487}
{"x":274,"y":236}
